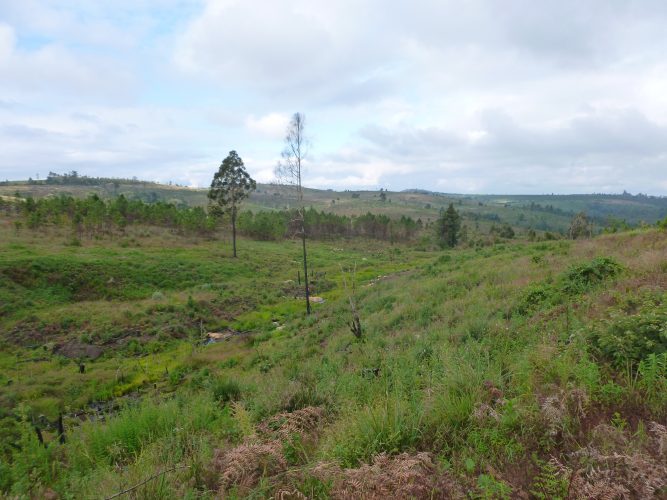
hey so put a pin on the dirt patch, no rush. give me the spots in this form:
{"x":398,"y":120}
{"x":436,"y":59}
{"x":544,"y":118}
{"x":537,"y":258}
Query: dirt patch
{"x":27,"y":333}
{"x":389,"y":277}
{"x":76,"y":350}
{"x":230,"y":308}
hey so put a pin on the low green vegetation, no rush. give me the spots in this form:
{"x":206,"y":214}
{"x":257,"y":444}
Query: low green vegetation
{"x":635,"y":333}
{"x":494,"y":368}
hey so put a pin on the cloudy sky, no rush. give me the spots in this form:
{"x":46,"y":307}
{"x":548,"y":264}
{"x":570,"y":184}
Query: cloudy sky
{"x":481,"y":96}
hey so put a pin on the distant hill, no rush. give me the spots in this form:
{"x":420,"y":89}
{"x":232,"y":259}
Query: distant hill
{"x":540,"y":212}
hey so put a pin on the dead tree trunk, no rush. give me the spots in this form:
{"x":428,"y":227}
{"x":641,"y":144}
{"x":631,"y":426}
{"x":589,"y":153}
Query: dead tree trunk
{"x":305,"y":262}
{"x":234,"y":231}
{"x":61,"y":429}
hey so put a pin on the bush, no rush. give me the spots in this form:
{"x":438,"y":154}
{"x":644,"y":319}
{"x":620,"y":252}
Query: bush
{"x":624,"y":339}
{"x":534,"y":296}
{"x":583,"y":277}
{"x":578,"y":279}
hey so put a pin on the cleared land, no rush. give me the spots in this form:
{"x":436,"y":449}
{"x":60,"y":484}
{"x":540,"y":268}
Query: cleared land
{"x":519,"y":367}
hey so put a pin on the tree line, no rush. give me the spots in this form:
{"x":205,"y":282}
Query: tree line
{"x":95,"y":217}
{"x":322,"y":225}
{"x":75,"y":179}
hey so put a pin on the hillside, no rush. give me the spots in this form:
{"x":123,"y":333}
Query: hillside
{"x":539,"y":212}
{"x":520,"y":368}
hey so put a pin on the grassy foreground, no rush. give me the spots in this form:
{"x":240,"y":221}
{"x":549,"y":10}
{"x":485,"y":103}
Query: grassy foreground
{"x":526,"y":368}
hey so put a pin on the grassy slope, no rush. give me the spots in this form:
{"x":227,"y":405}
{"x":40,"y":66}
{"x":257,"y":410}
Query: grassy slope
{"x":441,"y":330}
{"x":160,"y":291}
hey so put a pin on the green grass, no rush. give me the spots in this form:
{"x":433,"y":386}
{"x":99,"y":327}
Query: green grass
{"x":460,"y":351}
{"x":147,"y":305}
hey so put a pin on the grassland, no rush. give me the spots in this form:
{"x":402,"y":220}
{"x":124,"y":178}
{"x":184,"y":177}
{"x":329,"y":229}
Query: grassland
{"x":515,"y":369}
{"x":141,"y":295}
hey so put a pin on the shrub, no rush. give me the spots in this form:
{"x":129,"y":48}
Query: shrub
{"x":534,"y":296}
{"x":578,"y":279}
{"x":653,"y":381}
{"x":624,"y":339}
{"x":583,"y":277}
{"x":548,"y":483}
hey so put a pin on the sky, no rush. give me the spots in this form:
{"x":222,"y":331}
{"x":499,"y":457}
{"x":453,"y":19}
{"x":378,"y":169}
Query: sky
{"x":476,"y":96}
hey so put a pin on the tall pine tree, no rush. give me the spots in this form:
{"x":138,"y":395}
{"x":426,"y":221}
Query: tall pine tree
{"x":230,"y":186}
{"x":448,"y":227}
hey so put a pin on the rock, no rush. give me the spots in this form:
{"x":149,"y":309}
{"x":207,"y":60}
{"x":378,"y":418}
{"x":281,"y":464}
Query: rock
{"x":316,"y":300}
{"x":218,"y":336}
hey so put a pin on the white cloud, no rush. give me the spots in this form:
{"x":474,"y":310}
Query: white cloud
{"x":7,"y":40}
{"x":272,"y":125}
{"x":515,"y":96}
{"x":586,"y":152}
{"x":287,"y":47}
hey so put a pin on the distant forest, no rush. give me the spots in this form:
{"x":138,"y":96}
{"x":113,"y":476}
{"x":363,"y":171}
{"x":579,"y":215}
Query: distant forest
{"x":96,"y":217}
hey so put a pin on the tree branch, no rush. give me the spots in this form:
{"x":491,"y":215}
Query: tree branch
{"x":154,"y":476}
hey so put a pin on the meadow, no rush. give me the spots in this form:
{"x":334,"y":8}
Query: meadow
{"x":520,"y":368}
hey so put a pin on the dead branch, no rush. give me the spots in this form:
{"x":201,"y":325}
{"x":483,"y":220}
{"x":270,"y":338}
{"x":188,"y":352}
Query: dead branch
{"x":355,"y":323}
{"x":154,"y":476}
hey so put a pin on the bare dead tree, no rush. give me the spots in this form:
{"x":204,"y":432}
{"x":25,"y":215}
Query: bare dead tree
{"x":289,"y":171}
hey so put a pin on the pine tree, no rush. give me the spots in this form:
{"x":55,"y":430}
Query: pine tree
{"x":448,"y":227}
{"x":230,"y":186}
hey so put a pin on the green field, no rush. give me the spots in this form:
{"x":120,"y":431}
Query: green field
{"x":481,"y":371}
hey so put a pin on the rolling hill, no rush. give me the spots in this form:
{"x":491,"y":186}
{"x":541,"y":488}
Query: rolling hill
{"x":539,"y":212}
